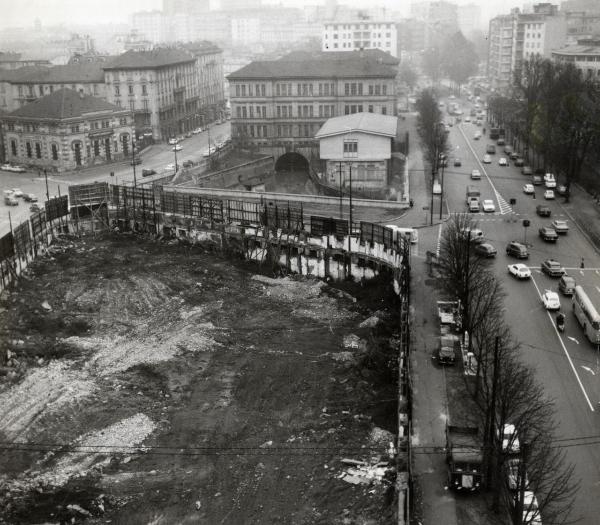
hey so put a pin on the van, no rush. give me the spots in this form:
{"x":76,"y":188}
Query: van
{"x":411,"y":233}
{"x":567,"y":285}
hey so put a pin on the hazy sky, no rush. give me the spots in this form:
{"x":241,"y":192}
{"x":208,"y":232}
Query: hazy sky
{"x":22,"y":13}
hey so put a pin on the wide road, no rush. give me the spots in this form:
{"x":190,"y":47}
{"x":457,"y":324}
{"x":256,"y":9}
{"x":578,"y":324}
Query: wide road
{"x":566,"y":364}
{"x":157,"y":157}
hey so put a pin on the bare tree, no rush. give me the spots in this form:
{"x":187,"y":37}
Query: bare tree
{"x":431,"y":129}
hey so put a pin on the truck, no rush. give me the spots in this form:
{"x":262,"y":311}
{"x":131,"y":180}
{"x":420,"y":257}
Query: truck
{"x":473,"y":196}
{"x":464,"y":455}
{"x":449,"y":346}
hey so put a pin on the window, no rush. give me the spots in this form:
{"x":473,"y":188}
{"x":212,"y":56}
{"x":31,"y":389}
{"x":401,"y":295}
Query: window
{"x":350,"y":148}
{"x":38,"y":150}
{"x":75,"y":128}
{"x":96,"y":148}
{"x":51,"y":89}
{"x":383,"y":110}
{"x":132,"y":105}
{"x":264,"y":131}
{"x":144,"y":89}
{"x":130,"y":87}
{"x":11,"y":126}
{"x":145,"y":103}
{"x":117,"y":91}
{"x":28,"y":147}
{"x":95,"y":90}
{"x":238,"y":112}
{"x":13,"y":147}
{"x":20,"y":88}
{"x":54,"y":152}
{"x":377,"y":89}
{"x":41,"y":89}
{"x":370,"y":108}
{"x":244,"y":112}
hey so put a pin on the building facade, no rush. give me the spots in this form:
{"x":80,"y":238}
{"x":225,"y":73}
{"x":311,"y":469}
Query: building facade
{"x":67,"y":130}
{"x":440,"y":20}
{"x":520,"y":36}
{"x":170,"y":91}
{"x":278,"y":106}
{"x":21,"y":86}
{"x":585,"y":56}
{"x":357,"y":147}
{"x":360,"y":34}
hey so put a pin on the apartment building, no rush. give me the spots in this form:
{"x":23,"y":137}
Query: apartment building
{"x":518,"y":36}
{"x":585,"y":56}
{"x":360,"y":34}
{"x":279,"y":105}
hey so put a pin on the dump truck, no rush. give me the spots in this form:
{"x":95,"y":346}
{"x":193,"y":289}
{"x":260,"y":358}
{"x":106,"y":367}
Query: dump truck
{"x":464,"y":455}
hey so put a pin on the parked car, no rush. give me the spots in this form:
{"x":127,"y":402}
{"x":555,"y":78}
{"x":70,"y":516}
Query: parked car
{"x":552,"y":268}
{"x":188,"y":163}
{"x":517,"y":249}
{"x":188,"y":134}
{"x":477,"y":135}
{"x":488,"y":205}
{"x":491,"y":149}
{"x":536,"y":180}
{"x":170,"y":167}
{"x":549,"y":180}
{"x":561,"y":189}
{"x":12,"y":167}
{"x":485,"y":250}
{"x":519,"y":161}
{"x":486,"y":159}
{"x":566,"y":285}
{"x":437,"y":188}
{"x":549,"y":194}
{"x":30,"y":197}
{"x":526,"y":170}
{"x":467,"y":119}
{"x":147,"y":172}
{"x":197,"y":130}
{"x":17,"y":192}
{"x":514,"y":156}
{"x":519,"y":270}
{"x":548,"y":234}
{"x":457,"y":162}
{"x":502,"y":161}
{"x":508,"y":149}
{"x":475,"y":174}
{"x":177,"y":147}
{"x":550,"y":300}
{"x":528,"y":189}
{"x":173,"y":141}
{"x":542,"y":210}
{"x":500,"y":142}
{"x":560,"y":226}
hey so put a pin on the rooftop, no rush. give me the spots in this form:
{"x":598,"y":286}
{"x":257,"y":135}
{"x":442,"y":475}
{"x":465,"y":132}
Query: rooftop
{"x":153,"y":59}
{"x":68,"y":73}
{"x":348,"y":64}
{"x":63,"y":104}
{"x":583,"y":47}
{"x":372,"y":123}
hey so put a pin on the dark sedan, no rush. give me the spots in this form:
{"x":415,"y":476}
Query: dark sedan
{"x":542,"y":210}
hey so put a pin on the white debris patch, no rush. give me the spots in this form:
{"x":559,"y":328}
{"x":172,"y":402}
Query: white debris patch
{"x":290,"y":289}
{"x":121,"y":353}
{"x":43,"y":391}
{"x":120,"y":438}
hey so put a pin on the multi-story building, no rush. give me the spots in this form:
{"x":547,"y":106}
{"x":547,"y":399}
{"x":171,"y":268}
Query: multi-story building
{"x":585,"y":56}
{"x":278,"y":106}
{"x":582,"y":24}
{"x":14,"y":61}
{"x":469,"y":19}
{"x":150,"y":24}
{"x":521,"y":36}
{"x":440,"y":19}
{"x":19,"y":87}
{"x":162,"y":88}
{"x":354,"y":35}
{"x":67,"y":130}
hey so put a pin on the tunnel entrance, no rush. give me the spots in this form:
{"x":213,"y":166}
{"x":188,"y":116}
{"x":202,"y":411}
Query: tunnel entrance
{"x":291,"y":162}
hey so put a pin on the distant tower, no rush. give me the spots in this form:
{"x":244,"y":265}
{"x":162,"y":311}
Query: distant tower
{"x":37,"y":25}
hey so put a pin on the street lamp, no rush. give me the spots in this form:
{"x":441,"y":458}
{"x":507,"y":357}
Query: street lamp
{"x":175,"y":151}
{"x":133,"y":162}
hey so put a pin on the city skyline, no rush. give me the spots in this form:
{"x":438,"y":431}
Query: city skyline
{"x":74,"y":12}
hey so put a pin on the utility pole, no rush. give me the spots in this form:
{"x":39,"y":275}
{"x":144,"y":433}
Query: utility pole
{"x":46,"y":177}
{"x":465,"y":321}
{"x":492,"y":422}
{"x":442,"y":185}
{"x":350,"y":217}
{"x":341,"y":193}
{"x":519,"y":503}
{"x":133,"y":162}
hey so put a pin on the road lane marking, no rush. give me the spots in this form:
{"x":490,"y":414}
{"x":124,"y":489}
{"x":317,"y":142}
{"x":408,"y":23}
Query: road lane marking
{"x":565,"y":351}
{"x":588,"y":369}
{"x":573,"y":339}
{"x":507,"y":207}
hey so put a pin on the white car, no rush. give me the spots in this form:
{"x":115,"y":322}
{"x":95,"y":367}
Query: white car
{"x":467,"y":119}
{"x":17,"y":192}
{"x":551,"y":300}
{"x":475,"y":174}
{"x":531,"y":510}
{"x":437,"y":188}
{"x":488,"y":205}
{"x":173,"y":141}
{"x":549,"y":177}
{"x":170,"y":167}
{"x":549,"y":194}
{"x":477,"y":135}
{"x":487,"y":159}
{"x":528,"y":189}
{"x":560,"y":226}
{"x":197,"y":130}
{"x":502,"y":161}
{"x":18,"y":169}
{"x":177,"y":147}
{"x":510,"y":441}
{"x":550,"y":183}
{"x":519,"y":270}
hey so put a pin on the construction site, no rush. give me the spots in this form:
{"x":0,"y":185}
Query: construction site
{"x":151,"y":372}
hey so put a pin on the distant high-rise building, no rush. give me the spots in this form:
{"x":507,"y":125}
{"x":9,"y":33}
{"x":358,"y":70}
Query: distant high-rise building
{"x":440,"y":18}
{"x":353,"y":35}
{"x":469,"y":18}
{"x":518,"y":36}
{"x":149,"y":24}
{"x":188,"y":7}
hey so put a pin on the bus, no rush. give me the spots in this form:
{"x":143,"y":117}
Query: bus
{"x":411,"y":234}
{"x":587,"y":315}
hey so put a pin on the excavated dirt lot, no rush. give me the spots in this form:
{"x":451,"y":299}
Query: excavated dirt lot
{"x":152,"y":382}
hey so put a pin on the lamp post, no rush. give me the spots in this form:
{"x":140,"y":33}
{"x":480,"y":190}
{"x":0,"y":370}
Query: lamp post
{"x":350,"y":214}
{"x":133,"y":162}
{"x":175,"y":151}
